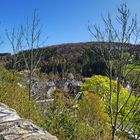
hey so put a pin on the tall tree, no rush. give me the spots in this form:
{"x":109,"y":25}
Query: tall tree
{"x":26,"y":42}
{"x":32,"y":41}
{"x":119,"y":52}
{"x":15,"y":38}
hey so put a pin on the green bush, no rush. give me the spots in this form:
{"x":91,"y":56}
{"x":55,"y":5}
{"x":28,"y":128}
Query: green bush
{"x":16,"y":97}
{"x":100,"y":86}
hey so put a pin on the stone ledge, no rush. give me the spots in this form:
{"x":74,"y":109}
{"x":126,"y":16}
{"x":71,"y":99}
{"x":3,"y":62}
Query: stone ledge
{"x":12,"y":127}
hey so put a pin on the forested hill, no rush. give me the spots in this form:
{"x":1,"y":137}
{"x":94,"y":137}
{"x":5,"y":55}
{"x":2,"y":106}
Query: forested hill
{"x":68,"y":50}
{"x":79,"y":58}
{"x":75,"y":50}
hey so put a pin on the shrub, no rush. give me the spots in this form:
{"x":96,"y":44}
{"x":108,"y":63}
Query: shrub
{"x":16,"y":97}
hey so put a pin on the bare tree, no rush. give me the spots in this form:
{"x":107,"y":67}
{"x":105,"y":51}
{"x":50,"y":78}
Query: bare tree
{"x":32,"y":42}
{"x":15,"y":39}
{"x":119,"y":52}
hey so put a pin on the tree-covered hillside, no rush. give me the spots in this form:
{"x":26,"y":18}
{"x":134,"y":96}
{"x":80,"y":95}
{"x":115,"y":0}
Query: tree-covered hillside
{"x":83,"y":59}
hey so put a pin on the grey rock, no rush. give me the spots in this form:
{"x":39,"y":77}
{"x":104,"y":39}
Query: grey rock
{"x":12,"y":127}
{"x":50,"y":91}
{"x":41,"y":90}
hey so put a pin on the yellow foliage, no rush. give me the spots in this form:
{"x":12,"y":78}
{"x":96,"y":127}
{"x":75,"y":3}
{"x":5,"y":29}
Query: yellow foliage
{"x":16,"y":97}
{"x":92,"y":113}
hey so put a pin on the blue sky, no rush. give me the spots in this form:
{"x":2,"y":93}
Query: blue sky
{"x":64,"y":21}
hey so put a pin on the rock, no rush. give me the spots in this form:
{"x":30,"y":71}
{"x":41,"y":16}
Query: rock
{"x":41,"y":90}
{"x":12,"y":127}
{"x":50,"y":91}
{"x":70,"y":76}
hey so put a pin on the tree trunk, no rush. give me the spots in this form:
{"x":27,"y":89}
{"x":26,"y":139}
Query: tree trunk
{"x":113,"y":133}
